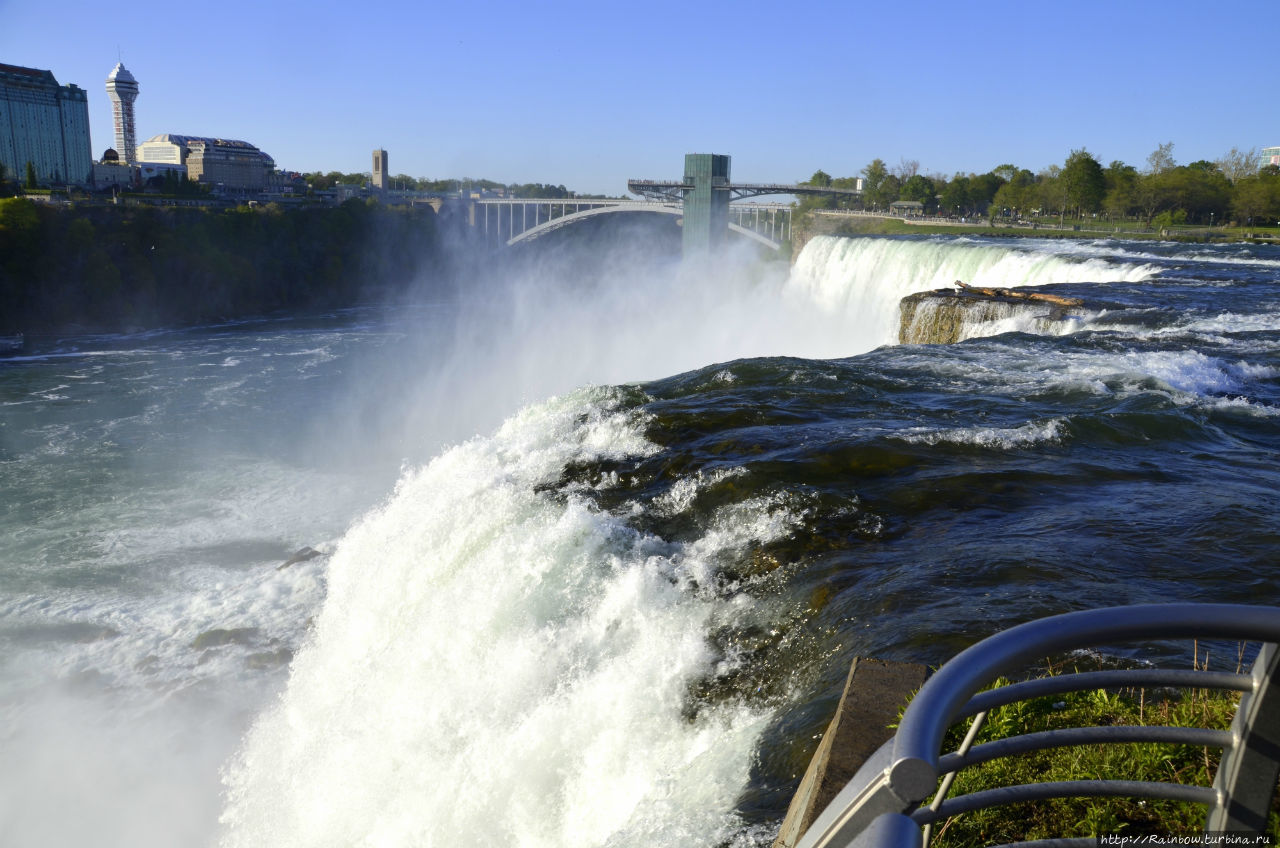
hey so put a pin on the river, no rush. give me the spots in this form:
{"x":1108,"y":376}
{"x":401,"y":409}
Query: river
{"x":594,"y":553}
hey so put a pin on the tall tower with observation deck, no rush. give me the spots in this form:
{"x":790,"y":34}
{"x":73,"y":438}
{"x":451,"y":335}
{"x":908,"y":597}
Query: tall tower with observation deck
{"x":122,"y":88}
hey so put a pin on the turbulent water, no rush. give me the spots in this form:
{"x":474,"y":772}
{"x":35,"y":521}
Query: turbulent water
{"x":594,"y":553}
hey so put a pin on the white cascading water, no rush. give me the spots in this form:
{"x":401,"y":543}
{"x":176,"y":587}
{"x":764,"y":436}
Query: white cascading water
{"x":494,"y":667}
{"x":498,"y":665}
{"x":865,"y":279}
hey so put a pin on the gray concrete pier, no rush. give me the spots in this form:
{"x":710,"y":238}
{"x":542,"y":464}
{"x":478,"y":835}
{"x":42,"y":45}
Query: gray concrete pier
{"x":874,"y":695}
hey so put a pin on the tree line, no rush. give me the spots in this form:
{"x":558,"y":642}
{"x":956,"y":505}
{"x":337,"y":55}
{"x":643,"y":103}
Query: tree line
{"x":403,"y":182}
{"x":1230,"y":189}
{"x":111,"y":269}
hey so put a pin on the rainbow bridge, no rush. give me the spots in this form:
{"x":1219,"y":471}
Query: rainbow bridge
{"x":703,"y":200}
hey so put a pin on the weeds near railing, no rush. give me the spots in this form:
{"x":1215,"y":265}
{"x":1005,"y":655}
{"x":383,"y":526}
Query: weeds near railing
{"x":1184,"y":764}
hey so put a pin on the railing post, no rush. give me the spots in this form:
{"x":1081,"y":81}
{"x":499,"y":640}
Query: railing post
{"x":1246,"y":779}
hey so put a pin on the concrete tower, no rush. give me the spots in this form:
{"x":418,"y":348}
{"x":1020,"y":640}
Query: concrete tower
{"x":380,"y":170}
{"x":706,"y":207}
{"x":122,"y":88}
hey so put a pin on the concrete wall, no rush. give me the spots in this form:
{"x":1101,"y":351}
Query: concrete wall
{"x":874,"y":695}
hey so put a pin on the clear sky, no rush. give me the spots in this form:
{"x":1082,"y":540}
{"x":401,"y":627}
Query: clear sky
{"x":590,"y":94}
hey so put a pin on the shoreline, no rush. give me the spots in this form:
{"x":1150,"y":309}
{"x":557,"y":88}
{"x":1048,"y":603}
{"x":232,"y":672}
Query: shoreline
{"x":840,"y":222}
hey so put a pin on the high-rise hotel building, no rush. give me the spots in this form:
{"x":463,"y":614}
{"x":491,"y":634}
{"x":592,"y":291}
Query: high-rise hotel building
{"x":45,"y":124}
{"x":233,"y":165}
{"x":122,"y":88}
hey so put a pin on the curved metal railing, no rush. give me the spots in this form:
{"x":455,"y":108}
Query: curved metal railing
{"x":882,"y":804}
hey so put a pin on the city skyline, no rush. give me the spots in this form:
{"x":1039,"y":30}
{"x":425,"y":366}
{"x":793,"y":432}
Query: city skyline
{"x":589,"y":96}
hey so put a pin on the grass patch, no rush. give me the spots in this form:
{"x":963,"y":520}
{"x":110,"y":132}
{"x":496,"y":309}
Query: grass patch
{"x":1082,"y":817}
{"x":1048,"y":228}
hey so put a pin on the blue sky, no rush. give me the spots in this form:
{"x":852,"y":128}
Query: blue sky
{"x":590,"y":94}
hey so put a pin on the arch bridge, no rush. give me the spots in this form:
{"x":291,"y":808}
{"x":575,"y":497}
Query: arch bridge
{"x":511,"y":221}
{"x":703,"y":199}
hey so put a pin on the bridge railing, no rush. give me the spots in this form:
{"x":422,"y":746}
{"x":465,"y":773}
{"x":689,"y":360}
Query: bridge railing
{"x":884,"y":805}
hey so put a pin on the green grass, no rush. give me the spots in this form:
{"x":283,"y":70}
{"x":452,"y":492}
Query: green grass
{"x":1091,"y":816}
{"x":1088,"y":229}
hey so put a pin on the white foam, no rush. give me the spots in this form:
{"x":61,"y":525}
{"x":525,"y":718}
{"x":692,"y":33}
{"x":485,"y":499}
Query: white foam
{"x":494,"y":663}
{"x":1246,"y":406}
{"x":681,"y":496}
{"x":1232,"y":322}
{"x":865,"y":279}
{"x":1006,"y":438}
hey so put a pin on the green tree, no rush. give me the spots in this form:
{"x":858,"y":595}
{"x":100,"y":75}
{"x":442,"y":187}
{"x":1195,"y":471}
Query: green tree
{"x":1151,"y":193}
{"x":538,"y":190}
{"x":1199,"y":189}
{"x":1084,"y":185}
{"x":820,"y":179}
{"x":1018,"y":194}
{"x":982,"y":191}
{"x":955,"y":196}
{"x":1050,"y":191}
{"x":1005,"y":172}
{"x":18,"y":215}
{"x":848,"y":184}
{"x":920,"y":188}
{"x":1256,"y":198}
{"x":890,"y":189}
{"x":1121,"y":198}
{"x":874,"y":175}
{"x":31,"y":175}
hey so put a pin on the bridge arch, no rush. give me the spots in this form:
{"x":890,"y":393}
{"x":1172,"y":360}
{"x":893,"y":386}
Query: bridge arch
{"x":651,"y":208}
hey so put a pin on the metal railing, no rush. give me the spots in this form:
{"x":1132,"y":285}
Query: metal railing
{"x":884,"y":804}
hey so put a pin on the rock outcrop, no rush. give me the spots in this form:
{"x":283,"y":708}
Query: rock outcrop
{"x":945,"y":316}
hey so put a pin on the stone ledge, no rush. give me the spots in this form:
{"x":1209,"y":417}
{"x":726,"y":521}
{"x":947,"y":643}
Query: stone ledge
{"x":874,"y":694}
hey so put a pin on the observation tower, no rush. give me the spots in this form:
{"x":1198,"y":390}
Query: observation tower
{"x":122,"y":88}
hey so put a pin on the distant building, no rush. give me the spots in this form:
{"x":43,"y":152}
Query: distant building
{"x":909,"y":208}
{"x":234,"y":165}
{"x":380,"y":170}
{"x":1270,"y":156}
{"x":113,"y":174}
{"x":45,"y":124}
{"x":122,"y":88}
{"x":150,"y":171}
{"x":346,"y":191}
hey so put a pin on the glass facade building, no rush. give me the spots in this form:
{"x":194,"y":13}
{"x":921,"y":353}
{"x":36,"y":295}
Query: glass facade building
{"x":45,"y":124}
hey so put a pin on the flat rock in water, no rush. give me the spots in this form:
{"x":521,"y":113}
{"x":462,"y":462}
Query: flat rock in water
{"x":942,"y":315}
{"x":302,"y":555}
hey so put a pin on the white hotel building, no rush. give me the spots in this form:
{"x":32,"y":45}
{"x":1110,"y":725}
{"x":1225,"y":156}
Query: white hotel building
{"x":233,"y":165}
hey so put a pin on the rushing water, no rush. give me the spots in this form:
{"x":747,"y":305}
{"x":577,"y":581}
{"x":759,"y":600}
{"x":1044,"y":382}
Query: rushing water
{"x":619,"y":615}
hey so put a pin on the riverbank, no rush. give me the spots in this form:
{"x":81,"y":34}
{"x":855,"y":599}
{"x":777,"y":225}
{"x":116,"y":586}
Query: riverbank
{"x":828,"y":222}
{"x":73,"y":269}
